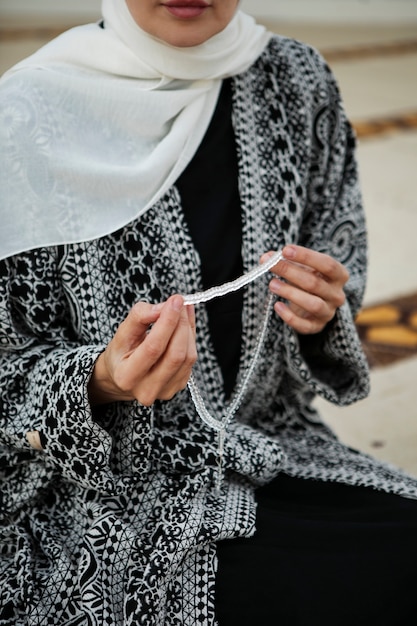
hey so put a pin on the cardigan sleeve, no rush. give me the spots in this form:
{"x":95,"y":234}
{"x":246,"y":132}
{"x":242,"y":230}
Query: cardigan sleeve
{"x":332,"y":363}
{"x":44,"y":372}
{"x":334,"y":217}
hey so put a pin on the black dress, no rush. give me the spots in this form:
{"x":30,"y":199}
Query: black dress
{"x":324,"y":554}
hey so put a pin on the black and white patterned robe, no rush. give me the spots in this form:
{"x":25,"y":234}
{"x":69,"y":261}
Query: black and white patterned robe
{"x":115,"y":521}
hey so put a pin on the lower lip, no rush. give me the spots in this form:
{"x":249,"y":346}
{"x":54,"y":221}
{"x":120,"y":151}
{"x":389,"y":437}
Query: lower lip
{"x":186,"y":13}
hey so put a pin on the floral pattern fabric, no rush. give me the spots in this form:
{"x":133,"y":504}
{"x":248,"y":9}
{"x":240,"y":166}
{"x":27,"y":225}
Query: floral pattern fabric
{"x":116,"y":520}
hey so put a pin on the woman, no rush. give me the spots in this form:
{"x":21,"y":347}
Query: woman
{"x":163,"y":464}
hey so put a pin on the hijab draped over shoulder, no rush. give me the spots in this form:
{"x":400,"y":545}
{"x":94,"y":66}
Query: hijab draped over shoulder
{"x":100,"y":122}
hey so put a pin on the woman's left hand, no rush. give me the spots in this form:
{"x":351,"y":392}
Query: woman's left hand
{"x":312,"y":285}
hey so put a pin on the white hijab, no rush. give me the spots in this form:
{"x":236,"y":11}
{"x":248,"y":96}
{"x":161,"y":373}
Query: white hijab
{"x":99,"y":123}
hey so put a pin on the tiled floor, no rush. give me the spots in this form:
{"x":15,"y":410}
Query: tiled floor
{"x":376,"y":67}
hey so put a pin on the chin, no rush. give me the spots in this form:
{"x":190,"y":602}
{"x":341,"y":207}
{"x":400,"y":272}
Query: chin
{"x":187,"y":33}
{"x":184,"y":39}
{"x":185,"y":43}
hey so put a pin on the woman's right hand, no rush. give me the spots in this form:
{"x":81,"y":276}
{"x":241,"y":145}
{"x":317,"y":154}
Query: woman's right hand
{"x":150,"y":356}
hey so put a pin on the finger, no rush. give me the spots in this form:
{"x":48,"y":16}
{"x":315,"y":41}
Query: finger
{"x":265,"y":257}
{"x":311,"y":305}
{"x":304,"y":287}
{"x":173,"y":369}
{"x":302,"y":324}
{"x":324,"y":264}
{"x":130,"y":357}
{"x":191,"y":319}
{"x":291,"y":270}
{"x":133,"y":329}
{"x":123,"y":367}
{"x":176,"y":382}
{"x":311,"y":280}
{"x":181,"y":352}
{"x":157,"y":339}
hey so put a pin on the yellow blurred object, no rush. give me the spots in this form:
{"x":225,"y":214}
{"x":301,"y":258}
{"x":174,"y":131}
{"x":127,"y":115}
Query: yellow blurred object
{"x":393,"y":335}
{"x":383,"y":314}
{"x":413,"y":320}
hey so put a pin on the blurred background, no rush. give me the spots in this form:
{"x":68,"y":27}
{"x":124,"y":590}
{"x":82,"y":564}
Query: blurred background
{"x":371,"y":46}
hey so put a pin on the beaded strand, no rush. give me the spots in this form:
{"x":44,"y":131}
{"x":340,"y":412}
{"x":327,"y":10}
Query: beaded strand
{"x":220,"y":424}
{"x":234,"y":285}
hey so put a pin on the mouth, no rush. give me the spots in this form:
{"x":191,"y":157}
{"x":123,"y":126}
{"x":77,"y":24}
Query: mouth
{"x":186,"y":9}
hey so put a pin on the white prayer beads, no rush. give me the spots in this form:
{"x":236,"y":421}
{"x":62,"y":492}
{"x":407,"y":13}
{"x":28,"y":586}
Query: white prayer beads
{"x":234,"y":285}
{"x":220,"y":424}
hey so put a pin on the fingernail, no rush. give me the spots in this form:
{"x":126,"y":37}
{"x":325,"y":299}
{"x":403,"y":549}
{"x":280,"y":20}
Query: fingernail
{"x":157,"y":307}
{"x":266,"y":256}
{"x":279,"y":307}
{"x":177,"y":303}
{"x":289,"y":252}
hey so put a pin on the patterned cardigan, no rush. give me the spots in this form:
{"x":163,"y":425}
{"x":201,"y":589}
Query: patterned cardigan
{"x":115,"y":521}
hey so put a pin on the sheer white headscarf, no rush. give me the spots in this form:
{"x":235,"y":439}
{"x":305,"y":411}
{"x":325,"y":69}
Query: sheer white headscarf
{"x":99,"y":123}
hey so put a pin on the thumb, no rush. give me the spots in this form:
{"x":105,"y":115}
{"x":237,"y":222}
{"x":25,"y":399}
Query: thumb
{"x":132,"y":331}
